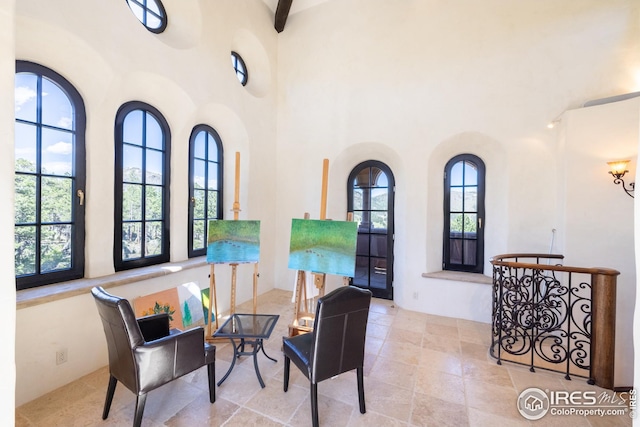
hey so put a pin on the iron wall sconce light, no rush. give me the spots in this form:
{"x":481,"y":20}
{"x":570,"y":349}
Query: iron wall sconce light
{"x":618,"y":169}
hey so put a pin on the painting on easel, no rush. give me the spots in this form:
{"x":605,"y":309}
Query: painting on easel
{"x":323,"y":246}
{"x":233,"y":241}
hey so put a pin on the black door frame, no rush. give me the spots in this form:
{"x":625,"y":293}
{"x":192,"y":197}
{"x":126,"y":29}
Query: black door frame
{"x":387,"y":291}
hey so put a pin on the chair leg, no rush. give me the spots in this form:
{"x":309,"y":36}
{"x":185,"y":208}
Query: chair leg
{"x":111,"y":389}
{"x":211,"y":372}
{"x":360,"y":375}
{"x":140,"y":401}
{"x":287,"y":365}
{"x":313,"y":387}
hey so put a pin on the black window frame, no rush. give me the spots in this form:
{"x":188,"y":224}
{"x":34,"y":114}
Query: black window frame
{"x":210,"y":132}
{"x":369,"y":232}
{"x":78,"y":182}
{"x":478,"y":265}
{"x":119,"y":263}
{"x":240,"y":68}
{"x":164,"y":20}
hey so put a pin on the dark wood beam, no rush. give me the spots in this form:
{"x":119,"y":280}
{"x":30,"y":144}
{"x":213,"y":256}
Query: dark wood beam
{"x":282,"y":12}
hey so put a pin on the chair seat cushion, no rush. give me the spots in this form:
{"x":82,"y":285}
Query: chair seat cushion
{"x":298,"y":349}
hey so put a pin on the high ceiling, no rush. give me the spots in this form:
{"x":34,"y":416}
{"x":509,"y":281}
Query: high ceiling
{"x":296,"y":5}
{"x":283,"y":8}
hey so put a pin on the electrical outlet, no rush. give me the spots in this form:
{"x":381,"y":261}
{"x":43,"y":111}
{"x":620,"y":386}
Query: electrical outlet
{"x":61,"y":356}
{"x":415,"y":295}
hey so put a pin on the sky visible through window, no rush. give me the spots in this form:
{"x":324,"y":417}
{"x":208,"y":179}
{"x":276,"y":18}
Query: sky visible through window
{"x":44,"y":168}
{"x":240,"y":68}
{"x":150,"y":13}
{"x":57,"y":125}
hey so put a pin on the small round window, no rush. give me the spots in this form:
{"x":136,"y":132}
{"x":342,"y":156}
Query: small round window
{"x":241,"y":69}
{"x":151,"y":13}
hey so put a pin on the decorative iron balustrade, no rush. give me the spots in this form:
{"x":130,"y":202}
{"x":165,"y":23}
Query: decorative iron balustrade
{"x":554,"y":317}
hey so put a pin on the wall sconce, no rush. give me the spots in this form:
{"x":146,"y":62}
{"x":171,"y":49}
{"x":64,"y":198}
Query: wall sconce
{"x":618,"y":169}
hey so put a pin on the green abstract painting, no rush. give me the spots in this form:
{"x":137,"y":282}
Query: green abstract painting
{"x":233,"y":241}
{"x":323,"y":246}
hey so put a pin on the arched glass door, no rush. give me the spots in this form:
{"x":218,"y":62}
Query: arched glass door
{"x":370,"y":191}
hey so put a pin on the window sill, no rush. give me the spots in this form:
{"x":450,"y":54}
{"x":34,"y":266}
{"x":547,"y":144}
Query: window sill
{"x":44,"y":294}
{"x":460,"y":277}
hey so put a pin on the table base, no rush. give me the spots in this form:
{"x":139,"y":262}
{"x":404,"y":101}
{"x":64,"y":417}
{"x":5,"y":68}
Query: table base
{"x":238,"y":350}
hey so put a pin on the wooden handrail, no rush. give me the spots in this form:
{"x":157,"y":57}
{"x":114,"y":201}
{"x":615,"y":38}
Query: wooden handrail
{"x":528,"y":255}
{"x":501,"y":261}
{"x":601,"y":304}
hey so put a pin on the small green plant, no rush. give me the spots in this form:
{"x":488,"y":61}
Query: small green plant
{"x":159,"y":308}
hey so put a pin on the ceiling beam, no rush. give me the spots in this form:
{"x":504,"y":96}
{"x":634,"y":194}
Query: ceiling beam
{"x":282,"y":12}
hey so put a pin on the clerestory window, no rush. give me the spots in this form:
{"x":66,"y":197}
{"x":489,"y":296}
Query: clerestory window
{"x":240,"y":68}
{"x":150,"y":13}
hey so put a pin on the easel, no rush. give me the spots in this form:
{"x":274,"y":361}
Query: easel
{"x":303,"y":314}
{"x":213,"y":300}
{"x":304,"y":310}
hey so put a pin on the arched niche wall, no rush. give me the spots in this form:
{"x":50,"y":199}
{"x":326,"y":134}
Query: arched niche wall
{"x":492,"y":152}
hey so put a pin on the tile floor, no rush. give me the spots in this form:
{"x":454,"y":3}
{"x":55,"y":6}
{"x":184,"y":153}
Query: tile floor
{"x":420,"y":370}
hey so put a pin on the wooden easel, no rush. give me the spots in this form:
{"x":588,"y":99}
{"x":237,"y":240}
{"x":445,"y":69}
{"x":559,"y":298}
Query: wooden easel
{"x":213,"y":300}
{"x":304,"y":309}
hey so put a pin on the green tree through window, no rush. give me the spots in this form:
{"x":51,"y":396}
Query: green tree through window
{"x":141,"y":235}
{"x":463,"y":248}
{"x":205,"y":186}
{"x":49,"y":177}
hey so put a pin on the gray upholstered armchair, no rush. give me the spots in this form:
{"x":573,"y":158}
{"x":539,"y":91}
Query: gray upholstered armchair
{"x":144,"y":354}
{"x":335,"y":345}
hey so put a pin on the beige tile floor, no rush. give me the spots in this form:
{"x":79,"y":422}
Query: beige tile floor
{"x":420,"y":370}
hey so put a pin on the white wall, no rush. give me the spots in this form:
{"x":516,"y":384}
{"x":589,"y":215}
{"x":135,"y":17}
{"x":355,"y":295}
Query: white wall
{"x":408,"y":83}
{"x":636,"y":331}
{"x":414,"y":83}
{"x":7,"y":273}
{"x":596,"y":217}
{"x":186,"y":73}
{"x":72,"y":324}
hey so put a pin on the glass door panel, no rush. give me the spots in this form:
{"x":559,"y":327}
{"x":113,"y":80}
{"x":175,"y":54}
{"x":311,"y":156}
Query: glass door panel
{"x":370,"y":191}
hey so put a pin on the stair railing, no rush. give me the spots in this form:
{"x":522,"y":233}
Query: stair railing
{"x":554,"y":317}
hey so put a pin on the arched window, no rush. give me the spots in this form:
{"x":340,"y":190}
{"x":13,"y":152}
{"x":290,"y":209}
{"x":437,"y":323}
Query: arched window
{"x":370,"y":195}
{"x":464,"y":214}
{"x":150,"y":13}
{"x":49,"y":177}
{"x":142,"y":144}
{"x":205,"y":185}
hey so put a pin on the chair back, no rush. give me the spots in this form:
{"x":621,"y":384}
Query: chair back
{"x":339,"y":332}
{"x":123,"y":335}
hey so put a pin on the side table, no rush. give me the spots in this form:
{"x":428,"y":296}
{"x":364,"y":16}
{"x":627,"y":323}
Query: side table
{"x":249,"y":329}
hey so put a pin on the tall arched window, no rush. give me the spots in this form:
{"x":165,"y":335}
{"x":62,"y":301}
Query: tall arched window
{"x":205,"y":185}
{"x":370,"y":194}
{"x":141,"y":231}
{"x":464,"y":214}
{"x":49,"y":177}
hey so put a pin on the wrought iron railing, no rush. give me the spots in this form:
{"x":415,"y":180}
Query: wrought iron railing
{"x":554,"y":317}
